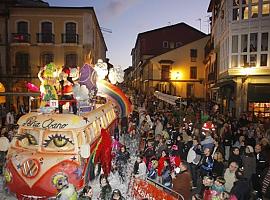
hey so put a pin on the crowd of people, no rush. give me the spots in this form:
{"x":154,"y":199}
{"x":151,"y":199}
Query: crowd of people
{"x":222,"y":157}
{"x":192,"y":150}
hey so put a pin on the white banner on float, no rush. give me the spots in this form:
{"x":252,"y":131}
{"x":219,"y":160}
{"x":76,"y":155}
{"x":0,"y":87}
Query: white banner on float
{"x":166,"y":97}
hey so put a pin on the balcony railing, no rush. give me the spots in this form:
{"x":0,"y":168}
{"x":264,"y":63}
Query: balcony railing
{"x":45,"y":38}
{"x":70,"y":38}
{"x":20,"y":37}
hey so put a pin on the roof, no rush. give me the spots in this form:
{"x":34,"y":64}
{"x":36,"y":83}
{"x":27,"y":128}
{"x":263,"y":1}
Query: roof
{"x":168,"y":27}
{"x":210,"y":7}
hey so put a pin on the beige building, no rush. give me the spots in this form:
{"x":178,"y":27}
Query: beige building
{"x":179,"y":71}
{"x":32,"y":37}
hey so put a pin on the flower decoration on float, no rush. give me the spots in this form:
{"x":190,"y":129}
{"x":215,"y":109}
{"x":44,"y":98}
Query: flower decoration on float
{"x":101,"y":69}
{"x":116,"y":75}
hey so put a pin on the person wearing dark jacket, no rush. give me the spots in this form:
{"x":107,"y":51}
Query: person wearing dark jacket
{"x":182,"y":180}
{"x":87,"y":193}
{"x":206,"y":163}
{"x":106,"y":188}
{"x":235,"y":157}
{"x":241,"y":188}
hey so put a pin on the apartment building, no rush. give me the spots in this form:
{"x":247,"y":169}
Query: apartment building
{"x":33,"y":36}
{"x":156,"y":42}
{"x":178,"y":72}
{"x":240,"y":30}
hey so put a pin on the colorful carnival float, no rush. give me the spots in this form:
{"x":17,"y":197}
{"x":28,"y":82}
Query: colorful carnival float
{"x":64,"y":145}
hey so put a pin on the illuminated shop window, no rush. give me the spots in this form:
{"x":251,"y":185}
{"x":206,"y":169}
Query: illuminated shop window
{"x":265,"y":8}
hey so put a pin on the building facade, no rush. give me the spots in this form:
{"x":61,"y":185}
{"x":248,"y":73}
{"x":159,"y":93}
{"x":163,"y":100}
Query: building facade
{"x":156,"y":42}
{"x":178,"y":72}
{"x":240,"y":30}
{"x":34,"y":36}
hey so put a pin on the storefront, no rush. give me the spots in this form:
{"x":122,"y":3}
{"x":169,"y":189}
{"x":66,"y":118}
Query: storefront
{"x":259,"y":99}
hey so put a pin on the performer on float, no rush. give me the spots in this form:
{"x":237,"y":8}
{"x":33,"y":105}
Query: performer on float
{"x":48,"y":77}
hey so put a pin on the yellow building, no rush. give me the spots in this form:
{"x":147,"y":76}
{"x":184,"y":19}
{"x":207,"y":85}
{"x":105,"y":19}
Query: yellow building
{"x":36,"y":36}
{"x":177,"y":72}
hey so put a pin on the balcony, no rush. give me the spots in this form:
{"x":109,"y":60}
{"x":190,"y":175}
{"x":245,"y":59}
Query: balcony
{"x":45,"y":38}
{"x":21,"y":70}
{"x":20,"y":38}
{"x":70,"y":38}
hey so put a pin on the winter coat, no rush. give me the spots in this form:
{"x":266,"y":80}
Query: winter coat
{"x":218,"y":168}
{"x":161,"y":164}
{"x":237,"y":159}
{"x":241,"y":190}
{"x":105,"y":193}
{"x":166,"y":177}
{"x":152,"y":173}
{"x":249,"y":164}
{"x":230,"y":179}
{"x":141,"y":171}
{"x":206,"y":165}
{"x":182,"y":184}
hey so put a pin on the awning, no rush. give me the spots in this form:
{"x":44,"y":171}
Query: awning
{"x":223,"y":83}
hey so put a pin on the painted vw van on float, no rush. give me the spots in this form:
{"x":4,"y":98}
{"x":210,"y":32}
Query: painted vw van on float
{"x":48,"y":146}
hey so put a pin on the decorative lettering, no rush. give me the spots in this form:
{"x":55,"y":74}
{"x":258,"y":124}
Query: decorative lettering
{"x":47,"y":124}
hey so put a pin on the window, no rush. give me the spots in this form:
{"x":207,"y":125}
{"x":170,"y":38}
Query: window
{"x":171,"y":45}
{"x":245,"y":12}
{"x":46,"y":58}
{"x":263,"y":60}
{"x":71,"y":60}
{"x":235,"y":14}
{"x":234,"y":61}
{"x":244,"y":40}
{"x":165,"y":44}
{"x":178,"y":44}
{"x":46,"y":35}
{"x":22,"y":27}
{"x":21,"y":63}
{"x":190,"y":90}
{"x":253,"y":42}
{"x":253,"y":60}
{"x":193,"y":72}
{"x":265,"y":8}
{"x":244,"y":62}
{"x":193,"y":55}
{"x":235,"y":44}
{"x":165,"y":72}
{"x":254,"y":11}
{"x":264,"y":42}
{"x":71,"y":32}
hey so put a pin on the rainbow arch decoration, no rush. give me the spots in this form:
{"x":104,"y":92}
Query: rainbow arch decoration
{"x":115,"y":94}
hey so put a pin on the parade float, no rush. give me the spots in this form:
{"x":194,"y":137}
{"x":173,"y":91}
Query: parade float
{"x":62,"y":147}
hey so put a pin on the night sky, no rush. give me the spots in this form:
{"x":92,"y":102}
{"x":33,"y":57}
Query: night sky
{"x":127,"y":18}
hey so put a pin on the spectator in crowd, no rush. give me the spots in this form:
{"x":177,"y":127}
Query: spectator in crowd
{"x":181,"y":180}
{"x":140,"y":168}
{"x":206,"y":164}
{"x":241,"y":188}
{"x":218,"y":166}
{"x":235,"y":157}
{"x":106,"y":188}
{"x":249,"y":163}
{"x":116,"y":195}
{"x":166,"y":174}
{"x":87,"y":193}
{"x":229,"y":176}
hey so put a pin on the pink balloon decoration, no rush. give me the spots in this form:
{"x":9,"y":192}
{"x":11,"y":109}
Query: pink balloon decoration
{"x":32,"y":87}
